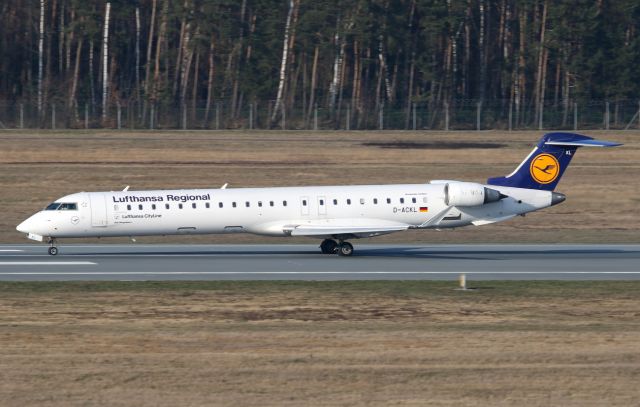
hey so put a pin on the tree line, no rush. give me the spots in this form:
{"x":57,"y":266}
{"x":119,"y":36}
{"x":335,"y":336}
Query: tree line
{"x":298,"y":55}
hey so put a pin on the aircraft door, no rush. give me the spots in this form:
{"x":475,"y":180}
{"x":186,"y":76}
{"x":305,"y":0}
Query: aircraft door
{"x":304,"y":205}
{"x":322,"y":205}
{"x":98,"y":210}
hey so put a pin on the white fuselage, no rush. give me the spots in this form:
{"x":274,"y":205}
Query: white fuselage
{"x":273,"y":211}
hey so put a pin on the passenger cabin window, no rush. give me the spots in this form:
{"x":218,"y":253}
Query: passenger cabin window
{"x":233,"y":204}
{"x":413,"y":200}
{"x":375,"y":201}
{"x":128,"y":207}
{"x":322,"y":202}
{"x":153,"y":206}
{"x":140,"y":207}
{"x":247,"y":204}
{"x":207,"y":205}
{"x":401,"y":200}
{"x":166,"y":206}
{"x":348,"y":201}
{"x":270,"y":203}
{"x":361,"y":201}
{"x":179,"y":206}
{"x":335,"y":201}
{"x":304,"y":202}
{"x":259,"y":204}
{"x":193,"y":205}
{"x":388,"y":200}
{"x":220,"y":205}
{"x":284,"y":203}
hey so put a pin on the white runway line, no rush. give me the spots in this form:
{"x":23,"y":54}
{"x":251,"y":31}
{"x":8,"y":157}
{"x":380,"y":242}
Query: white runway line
{"x":169,"y":273}
{"x":47,"y":263}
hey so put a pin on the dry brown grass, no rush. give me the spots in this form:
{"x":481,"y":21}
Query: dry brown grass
{"x":293,"y":344}
{"x":601,"y":185}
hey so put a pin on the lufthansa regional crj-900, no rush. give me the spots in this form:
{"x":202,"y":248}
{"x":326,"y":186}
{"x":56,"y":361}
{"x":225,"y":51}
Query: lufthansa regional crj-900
{"x":334,"y":214}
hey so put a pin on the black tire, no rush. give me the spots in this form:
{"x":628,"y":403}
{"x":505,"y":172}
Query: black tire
{"x":345,"y":249}
{"x":328,"y":246}
{"x":53,"y":250}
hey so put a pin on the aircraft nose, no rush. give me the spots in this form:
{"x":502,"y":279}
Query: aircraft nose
{"x":26,"y":225}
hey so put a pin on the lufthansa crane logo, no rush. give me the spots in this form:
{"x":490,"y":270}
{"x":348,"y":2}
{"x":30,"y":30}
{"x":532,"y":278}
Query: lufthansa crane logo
{"x":544,"y":168}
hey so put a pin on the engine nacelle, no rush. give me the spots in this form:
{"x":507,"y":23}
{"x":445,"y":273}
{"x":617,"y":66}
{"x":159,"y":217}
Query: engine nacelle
{"x":469,"y":194}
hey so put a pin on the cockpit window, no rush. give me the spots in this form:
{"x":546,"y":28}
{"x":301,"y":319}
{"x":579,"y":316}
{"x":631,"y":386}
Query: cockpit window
{"x":57,"y":206}
{"x":68,"y":207}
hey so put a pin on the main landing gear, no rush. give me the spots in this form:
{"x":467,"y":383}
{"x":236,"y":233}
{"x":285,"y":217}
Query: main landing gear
{"x":53,"y":250}
{"x":330,"y":246}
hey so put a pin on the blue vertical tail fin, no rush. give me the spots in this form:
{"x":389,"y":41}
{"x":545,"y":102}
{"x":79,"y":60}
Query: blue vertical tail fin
{"x":544,"y":166}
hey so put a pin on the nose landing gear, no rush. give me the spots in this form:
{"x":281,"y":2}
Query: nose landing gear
{"x":330,"y":246}
{"x":53,"y":250}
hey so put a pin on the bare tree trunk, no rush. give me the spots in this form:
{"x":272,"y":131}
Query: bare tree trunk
{"x":76,"y":70}
{"x":565,"y":97}
{"x":340,"y":89}
{"x":337,"y":64}
{"x":40,"y":57}
{"x":70,"y":39}
{"x":147,"y":68}
{"x":556,"y":93}
{"x":284,"y":63}
{"x":380,"y":74}
{"x":92,"y":75}
{"x":105,"y":63}
{"x":483,"y":65}
{"x":521,"y":65}
{"x":181,"y":48}
{"x":161,"y":33}
{"x":314,"y":72}
{"x":210,"y":81}
{"x":543,"y":82}
{"x":355,"y":88}
{"x":236,"y":71}
{"x":61,"y":34}
{"x":137,"y":53}
{"x":186,"y":64}
{"x":48,"y":57}
{"x":467,"y":58}
{"x":539,"y":74}
{"x":194,"y":92}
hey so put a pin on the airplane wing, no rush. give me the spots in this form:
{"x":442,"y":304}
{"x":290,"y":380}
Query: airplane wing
{"x":347,"y":231}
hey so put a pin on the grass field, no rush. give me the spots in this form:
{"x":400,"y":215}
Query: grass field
{"x":322,"y":343}
{"x":37,"y":167}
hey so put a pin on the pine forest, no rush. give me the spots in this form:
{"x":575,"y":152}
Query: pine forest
{"x":303,"y":64}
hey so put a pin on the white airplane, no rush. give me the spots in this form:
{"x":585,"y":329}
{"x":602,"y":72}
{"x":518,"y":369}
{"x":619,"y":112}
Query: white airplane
{"x":332,"y":213}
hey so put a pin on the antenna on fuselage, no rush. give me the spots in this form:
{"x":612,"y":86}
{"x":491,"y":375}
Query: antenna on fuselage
{"x":125,"y":188}
{"x":224,"y":186}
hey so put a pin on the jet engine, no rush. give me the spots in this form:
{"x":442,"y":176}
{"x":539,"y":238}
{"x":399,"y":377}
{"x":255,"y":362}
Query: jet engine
{"x":469,"y":194}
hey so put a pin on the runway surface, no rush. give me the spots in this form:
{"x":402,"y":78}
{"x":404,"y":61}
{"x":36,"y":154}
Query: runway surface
{"x":304,"y":262}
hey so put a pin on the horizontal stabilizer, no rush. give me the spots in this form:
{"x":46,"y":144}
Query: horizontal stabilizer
{"x":583,"y":143}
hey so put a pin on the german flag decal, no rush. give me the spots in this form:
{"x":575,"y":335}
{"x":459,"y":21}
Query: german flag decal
{"x":424,"y":209}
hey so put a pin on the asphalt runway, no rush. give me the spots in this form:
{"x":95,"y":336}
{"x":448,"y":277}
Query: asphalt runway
{"x":304,"y":262}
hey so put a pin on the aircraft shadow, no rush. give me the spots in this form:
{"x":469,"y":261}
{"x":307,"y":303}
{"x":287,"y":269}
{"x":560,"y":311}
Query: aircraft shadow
{"x":391,"y":252}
